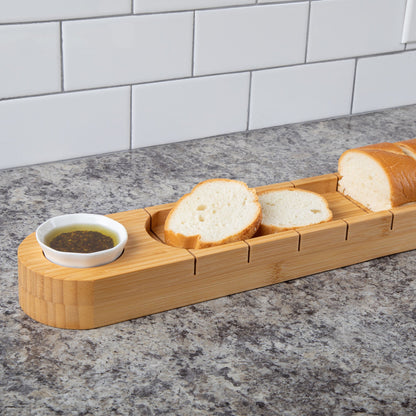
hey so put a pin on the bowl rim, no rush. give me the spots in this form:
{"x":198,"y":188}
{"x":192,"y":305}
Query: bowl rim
{"x":84,"y":219}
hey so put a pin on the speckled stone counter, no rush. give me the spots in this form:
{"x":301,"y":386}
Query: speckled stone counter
{"x":341,"y":342}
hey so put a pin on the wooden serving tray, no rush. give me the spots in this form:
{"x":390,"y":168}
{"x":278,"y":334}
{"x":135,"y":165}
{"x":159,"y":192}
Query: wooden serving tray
{"x":151,"y":276}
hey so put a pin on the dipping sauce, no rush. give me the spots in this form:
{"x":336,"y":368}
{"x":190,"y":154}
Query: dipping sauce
{"x":81,"y":239}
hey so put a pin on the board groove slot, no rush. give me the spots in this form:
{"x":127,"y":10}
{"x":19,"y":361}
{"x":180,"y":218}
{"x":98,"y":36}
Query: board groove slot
{"x":152,"y":276}
{"x":299,"y":238}
{"x":347,"y":228}
{"x":392,"y":220}
{"x":248,"y":251}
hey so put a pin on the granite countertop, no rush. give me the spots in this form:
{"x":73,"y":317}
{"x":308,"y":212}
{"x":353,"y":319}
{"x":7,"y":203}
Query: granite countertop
{"x":341,"y":342}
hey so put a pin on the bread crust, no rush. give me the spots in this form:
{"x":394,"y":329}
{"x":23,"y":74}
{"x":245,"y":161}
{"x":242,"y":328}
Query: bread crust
{"x":194,"y":241}
{"x":265,"y":229}
{"x":409,"y":146}
{"x":400,"y":169}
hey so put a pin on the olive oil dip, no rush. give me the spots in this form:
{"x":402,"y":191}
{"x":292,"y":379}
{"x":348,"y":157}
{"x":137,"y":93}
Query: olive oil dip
{"x":81,"y":239}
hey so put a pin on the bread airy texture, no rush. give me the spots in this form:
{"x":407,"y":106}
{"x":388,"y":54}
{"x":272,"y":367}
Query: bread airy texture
{"x":286,"y":209}
{"x":216,"y":211}
{"x":379,"y":176}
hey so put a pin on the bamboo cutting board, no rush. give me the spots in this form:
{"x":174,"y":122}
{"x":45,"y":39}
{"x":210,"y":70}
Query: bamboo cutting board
{"x":151,"y":277}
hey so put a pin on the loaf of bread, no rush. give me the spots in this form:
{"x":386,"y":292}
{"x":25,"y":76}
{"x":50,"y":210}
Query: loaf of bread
{"x":287,"y":209}
{"x":216,"y":211}
{"x":379,"y":176}
{"x":409,"y":147}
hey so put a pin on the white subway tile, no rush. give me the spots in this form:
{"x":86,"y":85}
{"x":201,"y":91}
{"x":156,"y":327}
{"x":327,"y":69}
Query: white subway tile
{"x":411,"y":45}
{"x":40,"y":10}
{"x":149,"y":6}
{"x":187,"y":109}
{"x":301,"y":93}
{"x":347,"y":28}
{"x":30,"y":59}
{"x":242,"y":38}
{"x":385,"y":81}
{"x":117,"y":51}
{"x":61,"y":126}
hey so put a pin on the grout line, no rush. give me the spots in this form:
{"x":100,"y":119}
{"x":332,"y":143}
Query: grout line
{"x":131,"y":117}
{"x":249,"y":101}
{"x":20,"y":97}
{"x":308,"y":23}
{"x":61,"y":52}
{"x":208,"y":75}
{"x":62,"y":19}
{"x":131,"y":13}
{"x":193,"y":45}
{"x":354,"y":78}
{"x":132,"y":7}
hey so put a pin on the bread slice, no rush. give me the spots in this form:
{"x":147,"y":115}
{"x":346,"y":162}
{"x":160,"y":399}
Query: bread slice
{"x":380,"y":176}
{"x":217,"y":211}
{"x":286,"y":209}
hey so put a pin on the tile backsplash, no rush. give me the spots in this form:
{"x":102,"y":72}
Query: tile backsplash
{"x":86,"y":77}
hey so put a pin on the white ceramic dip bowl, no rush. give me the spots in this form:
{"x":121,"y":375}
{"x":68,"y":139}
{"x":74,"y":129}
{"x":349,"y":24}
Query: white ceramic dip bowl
{"x":80,"y":260}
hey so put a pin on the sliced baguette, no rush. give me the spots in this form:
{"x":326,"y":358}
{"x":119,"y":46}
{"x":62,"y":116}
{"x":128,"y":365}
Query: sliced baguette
{"x":286,"y":209}
{"x":215,"y":212}
{"x":379,"y":176}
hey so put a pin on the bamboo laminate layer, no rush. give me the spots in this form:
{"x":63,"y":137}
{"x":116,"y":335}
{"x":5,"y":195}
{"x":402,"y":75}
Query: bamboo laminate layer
{"x":151,"y":277}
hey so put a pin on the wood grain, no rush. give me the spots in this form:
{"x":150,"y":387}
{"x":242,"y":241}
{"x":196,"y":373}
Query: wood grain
{"x":151,"y":277}
{"x":320,"y":184}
